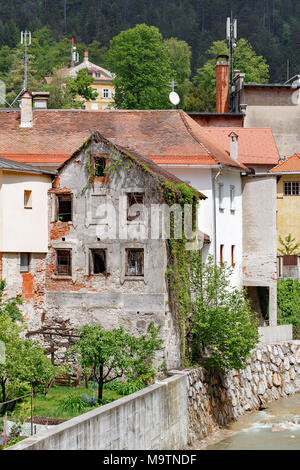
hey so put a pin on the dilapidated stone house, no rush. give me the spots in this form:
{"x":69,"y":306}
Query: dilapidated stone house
{"x":106,"y":261}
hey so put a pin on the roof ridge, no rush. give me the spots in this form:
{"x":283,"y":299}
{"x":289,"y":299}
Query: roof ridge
{"x":189,"y":129}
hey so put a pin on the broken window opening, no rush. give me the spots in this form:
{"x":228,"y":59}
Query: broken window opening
{"x":24,"y":262}
{"x":134,"y":262}
{"x":99,"y":166}
{"x":64,"y":209}
{"x":98,"y":262}
{"x":132,"y":199}
{"x":63,"y":262}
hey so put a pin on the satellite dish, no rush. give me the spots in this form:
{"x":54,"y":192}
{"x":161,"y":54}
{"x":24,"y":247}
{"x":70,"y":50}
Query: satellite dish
{"x":174,"y":98}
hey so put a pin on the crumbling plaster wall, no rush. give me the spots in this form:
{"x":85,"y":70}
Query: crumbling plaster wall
{"x":110,"y":300}
{"x":260,"y":237}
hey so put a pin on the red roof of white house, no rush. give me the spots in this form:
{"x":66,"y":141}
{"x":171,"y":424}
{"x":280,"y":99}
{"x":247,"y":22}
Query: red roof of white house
{"x":256,"y":146}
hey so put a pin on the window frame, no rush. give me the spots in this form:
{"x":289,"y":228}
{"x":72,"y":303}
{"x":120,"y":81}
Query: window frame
{"x":26,"y":270}
{"x":57,"y":207}
{"x":130,"y":275}
{"x":91,"y":262}
{"x":291,"y":183}
{"x":140,"y":216}
{"x":64,"y":274}
{"x":27,"y":199}
{"x":221,"y":254}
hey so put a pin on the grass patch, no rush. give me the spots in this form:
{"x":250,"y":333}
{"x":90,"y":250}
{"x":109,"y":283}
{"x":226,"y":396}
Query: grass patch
{"x":51,"y":405}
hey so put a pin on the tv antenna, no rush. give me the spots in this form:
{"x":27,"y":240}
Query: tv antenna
{"x":74,"y":54}
{"x":231,"y":37}
{"x":26,"y":41}
{"x":173,"y":96}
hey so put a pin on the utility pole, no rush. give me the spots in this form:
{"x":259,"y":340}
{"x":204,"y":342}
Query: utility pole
{"x":26,"y":40}
{"x":231,"y":37}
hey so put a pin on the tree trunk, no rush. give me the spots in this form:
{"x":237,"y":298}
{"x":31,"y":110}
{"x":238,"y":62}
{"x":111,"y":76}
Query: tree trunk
{"x":100,"y":384}
{"x":3,"y":382}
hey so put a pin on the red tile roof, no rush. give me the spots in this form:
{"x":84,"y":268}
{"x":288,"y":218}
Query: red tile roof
{"x":169,"y":136}
{"x":255,"y":146}
{"x":150,"y":164}
{"x":289,"y":165}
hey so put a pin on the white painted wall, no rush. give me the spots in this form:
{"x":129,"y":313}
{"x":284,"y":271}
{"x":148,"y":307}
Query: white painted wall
{"x":24,"y":230}
{"x":229,"y":227}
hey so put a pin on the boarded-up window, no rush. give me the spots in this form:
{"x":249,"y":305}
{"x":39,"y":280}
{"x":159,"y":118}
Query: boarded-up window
{"x":64,"y":207}
{"x":290,"y":260}
{"x":134,"y":262}
{"x":132,"y":199}
{"x":24,"y":262}
{"x":63,"y":262}
{"x":98,"y":262}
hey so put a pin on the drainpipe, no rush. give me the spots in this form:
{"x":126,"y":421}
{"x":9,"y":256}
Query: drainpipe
{"x":214,"y":183}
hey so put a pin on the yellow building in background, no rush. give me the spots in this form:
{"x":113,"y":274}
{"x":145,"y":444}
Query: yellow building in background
{"x":102,"y":84}
{"x":288,"y":198}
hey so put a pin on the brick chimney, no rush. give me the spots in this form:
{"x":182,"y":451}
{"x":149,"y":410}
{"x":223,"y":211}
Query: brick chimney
{"x":85,"y":56}
{"x":234,"y":146}
{"x":26,"y":109}
{"x":222,"y":84}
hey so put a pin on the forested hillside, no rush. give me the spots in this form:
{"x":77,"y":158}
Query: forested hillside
{"x":271,"y":26}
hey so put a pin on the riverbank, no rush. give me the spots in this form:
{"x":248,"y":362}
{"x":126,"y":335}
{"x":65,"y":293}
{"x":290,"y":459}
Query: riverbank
{"x":278,"y":428}
{"x":216,"y":400}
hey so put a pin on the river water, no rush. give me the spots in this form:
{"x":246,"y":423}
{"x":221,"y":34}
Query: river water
{"x":277,"y":427}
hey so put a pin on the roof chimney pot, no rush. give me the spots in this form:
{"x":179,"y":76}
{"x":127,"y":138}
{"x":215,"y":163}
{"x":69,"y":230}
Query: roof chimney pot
{"x":85,"y":55}
{"x":234,"y":146}
{"x":26,"y":109}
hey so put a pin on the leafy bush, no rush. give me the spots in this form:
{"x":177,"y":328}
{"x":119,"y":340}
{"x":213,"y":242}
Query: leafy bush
{"x":72,"y":404}
{"x":88,"y":400}
{"x":125,"y":388}
{"x":223,"y":328}
{"x":288,"y":302}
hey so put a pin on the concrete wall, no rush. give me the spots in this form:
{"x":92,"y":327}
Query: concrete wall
{"x":260,"y":237}
{"x":24,"y":229}
{"x":181,"y":410}
{"x":154,"y":418}
{"x":279,"y":109}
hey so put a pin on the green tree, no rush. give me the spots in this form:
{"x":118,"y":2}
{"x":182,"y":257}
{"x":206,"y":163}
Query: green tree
{"x":223,"y":330}
{"x":289,"y":247}
{"x":141,"y":63}
{"x":288,"y":302}
{"x":180,"y":57}
{"x":112,"y":354}
{"x":246,"y":60}
{"x":81,"y":86}
{"x":61,"y":94}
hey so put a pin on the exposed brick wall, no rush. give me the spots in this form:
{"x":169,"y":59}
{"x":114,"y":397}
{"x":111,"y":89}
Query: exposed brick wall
{"x":27,"y":285}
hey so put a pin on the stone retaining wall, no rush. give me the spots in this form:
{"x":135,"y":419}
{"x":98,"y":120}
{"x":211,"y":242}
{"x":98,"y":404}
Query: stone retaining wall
{"x":215,"y":400}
